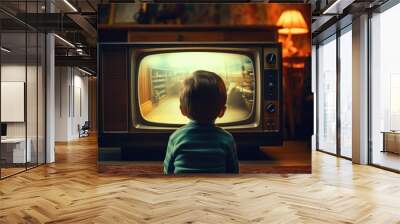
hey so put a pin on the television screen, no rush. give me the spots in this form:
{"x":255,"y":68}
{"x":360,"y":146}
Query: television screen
{"x":160,"y":77}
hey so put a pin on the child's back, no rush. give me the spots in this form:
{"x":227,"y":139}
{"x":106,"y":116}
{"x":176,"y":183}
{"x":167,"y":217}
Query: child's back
{"x":200,"y":146}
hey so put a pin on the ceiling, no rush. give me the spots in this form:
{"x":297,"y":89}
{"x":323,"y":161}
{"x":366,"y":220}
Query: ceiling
{"x":75,"y":21}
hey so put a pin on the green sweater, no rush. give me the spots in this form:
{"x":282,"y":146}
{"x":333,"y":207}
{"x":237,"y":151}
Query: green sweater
{"x":201,"y":148}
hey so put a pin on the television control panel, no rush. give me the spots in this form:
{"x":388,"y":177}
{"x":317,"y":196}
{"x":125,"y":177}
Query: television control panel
{"x":272,"y":80}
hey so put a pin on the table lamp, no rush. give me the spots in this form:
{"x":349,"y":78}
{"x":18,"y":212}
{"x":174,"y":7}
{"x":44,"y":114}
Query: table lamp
{"x":291,"y":22}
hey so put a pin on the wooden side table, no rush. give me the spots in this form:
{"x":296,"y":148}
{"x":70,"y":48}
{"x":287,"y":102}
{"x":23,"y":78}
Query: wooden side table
{"x":391,"y":141}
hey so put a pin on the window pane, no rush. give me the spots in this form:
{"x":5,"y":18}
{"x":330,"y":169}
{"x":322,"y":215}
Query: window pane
{"x":327,"y":97}
{"x":385,"y":89}
{"x":346,"y":94}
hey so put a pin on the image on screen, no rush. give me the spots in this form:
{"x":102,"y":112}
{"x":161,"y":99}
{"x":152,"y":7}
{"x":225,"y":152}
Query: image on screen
{"x":160,"y":78}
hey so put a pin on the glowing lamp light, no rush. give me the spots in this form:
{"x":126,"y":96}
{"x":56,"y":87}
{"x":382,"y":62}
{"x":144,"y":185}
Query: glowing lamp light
{"x":292,"y":22}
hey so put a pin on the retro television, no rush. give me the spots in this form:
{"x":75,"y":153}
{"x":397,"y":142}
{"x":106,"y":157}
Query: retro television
{"x":155,"y":71}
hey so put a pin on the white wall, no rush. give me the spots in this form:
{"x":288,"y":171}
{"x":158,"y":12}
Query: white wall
{"x":62,"y":81}
{"x":71,"y":102}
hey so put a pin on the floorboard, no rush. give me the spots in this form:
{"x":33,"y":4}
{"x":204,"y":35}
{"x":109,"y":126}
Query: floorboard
{"x":72,"y":191}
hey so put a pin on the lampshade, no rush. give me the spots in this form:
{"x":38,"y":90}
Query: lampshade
{"x":292,"y":22}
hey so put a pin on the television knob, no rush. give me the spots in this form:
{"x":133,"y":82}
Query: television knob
{"x":270,"y":108}
{"x":270,"y":58}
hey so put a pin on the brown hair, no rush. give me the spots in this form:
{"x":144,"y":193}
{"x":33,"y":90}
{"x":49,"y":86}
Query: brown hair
{"x":203,"y":96}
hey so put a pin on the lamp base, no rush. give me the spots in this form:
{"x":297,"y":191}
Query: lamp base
{"x":288,"y":47}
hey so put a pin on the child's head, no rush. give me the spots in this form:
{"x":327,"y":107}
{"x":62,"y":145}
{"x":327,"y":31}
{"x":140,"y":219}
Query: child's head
{"x":203,"y":97}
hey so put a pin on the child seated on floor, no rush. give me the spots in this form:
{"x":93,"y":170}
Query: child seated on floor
{"x":200,"y":146}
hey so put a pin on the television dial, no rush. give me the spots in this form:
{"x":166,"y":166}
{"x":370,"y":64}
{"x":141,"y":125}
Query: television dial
{"x":270,"y":58}
{"x":270,"y":108}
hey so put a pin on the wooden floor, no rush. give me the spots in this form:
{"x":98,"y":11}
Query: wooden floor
{"x":5,"y":172}
{"x":387,"y":159}
{"x":71,"y":191}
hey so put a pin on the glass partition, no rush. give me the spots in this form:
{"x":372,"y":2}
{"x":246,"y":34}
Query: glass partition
{"x":22,"y":87}
{"x":15,"y":149}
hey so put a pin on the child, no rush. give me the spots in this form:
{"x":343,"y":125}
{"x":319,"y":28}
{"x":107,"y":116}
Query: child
{"x":200,"y":146}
